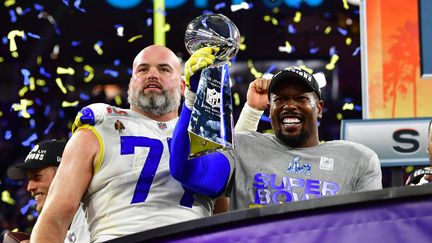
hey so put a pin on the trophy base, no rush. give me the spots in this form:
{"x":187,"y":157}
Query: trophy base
{"x":200,"y":146}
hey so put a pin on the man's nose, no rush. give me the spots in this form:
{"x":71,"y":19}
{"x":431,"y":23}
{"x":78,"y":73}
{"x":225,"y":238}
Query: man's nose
{"x":153,"y":72}
{"x":31,"y":186}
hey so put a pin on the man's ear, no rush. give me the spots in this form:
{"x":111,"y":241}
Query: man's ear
{"x":320,"y":107}
{"x":182,"y":85}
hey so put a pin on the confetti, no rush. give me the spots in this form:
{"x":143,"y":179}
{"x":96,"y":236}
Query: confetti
{"x":60,"y":85}
{"x":237,"y":7}
{"x":6,"y":198}
{"x":70,"y":104}
{"x":134,"y":38}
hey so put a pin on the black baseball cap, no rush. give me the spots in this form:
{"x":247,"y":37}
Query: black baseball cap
{"x":45,"y":153}
{"x":290,"y":74}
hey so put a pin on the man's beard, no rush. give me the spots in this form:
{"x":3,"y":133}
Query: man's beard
{"x":294,"y":141}
{"x":154,"y":102}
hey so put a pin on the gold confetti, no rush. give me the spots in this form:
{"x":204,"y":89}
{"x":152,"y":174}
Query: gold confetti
{"x":327,"y":30}
{"x":332,"y":63}
{"x":98,"y":49}
{"x":118,"y":100}
{"x":60,"y":84}
{"x":32,"y":83}
{"x":22,"y":91}
{"x":297,"y":17}
{"x":78,"y":59}
{"x":339,"y":116}
{"x":132,"y":39}
{"x":62,"y":70}
{"x":22,"y":106}
{"x":6,"y":197}
{"x":236,"y":98}
{"x":345,"y":4}
{"x":90,"y":75}
{"x":69,"y":104}
{"x":348,"y":106}
{"x":348,"y":41}
{"x":253,"y":71}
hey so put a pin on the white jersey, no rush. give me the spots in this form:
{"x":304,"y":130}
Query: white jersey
{"x":132,"y":189}
{"x":78,"y":231}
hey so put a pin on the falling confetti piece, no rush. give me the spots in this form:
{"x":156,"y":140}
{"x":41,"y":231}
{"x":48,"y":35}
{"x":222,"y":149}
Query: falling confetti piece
{"x":332,"y":63}
{"x":297,"y":17}
{"x":60,"y":85}
{"x":134,"y":38}
{"x":237,"y":7}
{"x":29,"y":140}
{"x":69,"y":104}
{"x":98,"y":48}
{"x":348,"y":106}
{"x":89,"y":73}
{"x":6,"y":198}
{"x":348,"y":41}
{"x":62,"y":70}
{"x":236,"y":98}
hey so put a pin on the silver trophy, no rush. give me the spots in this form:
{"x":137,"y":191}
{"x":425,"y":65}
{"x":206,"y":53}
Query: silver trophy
{"x":211,"y":126}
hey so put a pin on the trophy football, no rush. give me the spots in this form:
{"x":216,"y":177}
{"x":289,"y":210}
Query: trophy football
{"x":211,"y":125}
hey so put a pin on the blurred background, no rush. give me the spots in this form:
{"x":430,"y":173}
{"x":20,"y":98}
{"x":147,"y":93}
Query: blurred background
{"x":58,"y":56}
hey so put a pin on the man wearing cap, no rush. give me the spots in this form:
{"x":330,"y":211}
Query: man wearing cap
{"x":289,"y":165}
{"x":40,"y":167}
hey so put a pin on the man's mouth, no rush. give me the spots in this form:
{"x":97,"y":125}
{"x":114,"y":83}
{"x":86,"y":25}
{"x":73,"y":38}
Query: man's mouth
{"x":290,"y":121}
{"x":38,"y":195}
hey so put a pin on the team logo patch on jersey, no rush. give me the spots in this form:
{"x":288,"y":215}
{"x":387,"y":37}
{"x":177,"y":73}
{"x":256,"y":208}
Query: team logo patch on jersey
{"x":118,"y":125}
{"x":326,"y":163}
{"x":296,"y":168}
{"x":162,"y":125}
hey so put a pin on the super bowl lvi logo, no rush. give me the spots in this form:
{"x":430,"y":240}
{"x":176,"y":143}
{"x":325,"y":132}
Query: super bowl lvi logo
{"x":213,"y":98}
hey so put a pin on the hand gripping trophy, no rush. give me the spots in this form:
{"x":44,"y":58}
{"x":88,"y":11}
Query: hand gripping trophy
{"x":211,"y":125}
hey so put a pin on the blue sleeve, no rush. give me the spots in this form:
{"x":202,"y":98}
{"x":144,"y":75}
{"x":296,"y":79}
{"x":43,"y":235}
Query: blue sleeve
{"x":208,"y":174}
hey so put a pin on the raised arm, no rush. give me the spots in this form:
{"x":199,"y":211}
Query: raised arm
{"x":208,"y":174}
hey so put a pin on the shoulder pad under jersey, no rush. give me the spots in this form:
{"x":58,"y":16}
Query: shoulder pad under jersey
{"x":94,"y":114}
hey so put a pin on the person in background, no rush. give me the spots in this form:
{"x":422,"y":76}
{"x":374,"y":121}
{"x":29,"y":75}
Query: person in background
{"x":117,"y":160}
{"x":39,"y":168}
{"x":424,"y":175}
{"x":289,"y":165}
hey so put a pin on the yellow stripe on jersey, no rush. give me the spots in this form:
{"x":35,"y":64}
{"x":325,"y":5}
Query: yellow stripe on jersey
{"x":98,"y":163}
{"x":77,"y":122}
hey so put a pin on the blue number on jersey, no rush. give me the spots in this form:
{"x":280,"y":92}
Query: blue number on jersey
{"x":128,"y":144}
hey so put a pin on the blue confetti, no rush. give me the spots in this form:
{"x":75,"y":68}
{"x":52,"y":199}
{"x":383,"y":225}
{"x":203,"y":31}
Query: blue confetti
{"x":33,"y":35}
{"x":356,"y":51}
{"x":13,"y":17}
{"x":220,"y":5}
{"x":149,"y":21}
{"x":47,"y":110}
{"x":313,"y":50}
{"x":332,"y":51}
{"x":116,"y":62}
{"x":84,"y":96}
{"x":61,"y":113}
{"x":357,"y":108}
{"x":25,"y":11}
{"x":46,"y":131}
{"x":8,"y":135}
{"x":26,"y":74}
{"x":291,"y":29}
{"x":44,"y":73}
{"x":75,"y":43}
{"x":32,"y":123}
{"x":38,"y":101}
{"x":29,"y":140}
{"x":26,"y":207}
{"x":4,"y":40}
{"x":347,"y":100}
{"x":77,"y":4}
{"x":265,"y":118}
{"x":112,"y":73}
{"x":38,"y":7}
{"x":271,"y":68}
{"x":342,"y":31}
{"x":66,"y":2}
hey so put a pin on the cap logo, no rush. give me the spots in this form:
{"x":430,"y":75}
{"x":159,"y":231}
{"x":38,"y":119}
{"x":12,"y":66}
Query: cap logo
{"x":302,"y":73}
{"x":36,"y":154}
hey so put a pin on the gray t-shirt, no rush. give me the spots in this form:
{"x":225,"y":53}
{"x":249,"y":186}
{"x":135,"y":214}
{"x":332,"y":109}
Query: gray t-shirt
{"x":267,"y":172}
